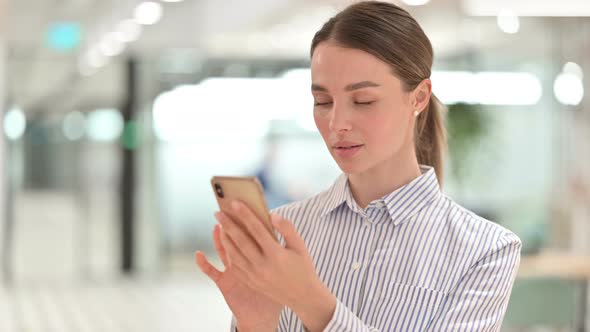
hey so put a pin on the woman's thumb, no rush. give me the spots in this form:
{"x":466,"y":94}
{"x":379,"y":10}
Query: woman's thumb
{"x":206,"y":267}
{"x":289,"y":233}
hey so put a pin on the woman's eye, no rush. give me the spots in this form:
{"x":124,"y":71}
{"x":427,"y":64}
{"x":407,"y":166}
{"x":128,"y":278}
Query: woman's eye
{"x":317,"y":103}
{"x":364,"y":102}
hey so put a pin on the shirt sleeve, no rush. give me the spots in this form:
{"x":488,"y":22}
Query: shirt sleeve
{"x":477,"y":303}
{"x":234,"y":324}
{"x":479,"y":300}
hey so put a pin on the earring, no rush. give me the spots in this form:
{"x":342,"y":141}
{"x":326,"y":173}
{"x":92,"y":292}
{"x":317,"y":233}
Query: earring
{"x":416,"y":113}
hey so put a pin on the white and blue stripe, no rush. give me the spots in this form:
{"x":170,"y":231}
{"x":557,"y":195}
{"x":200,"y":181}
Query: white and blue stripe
{"x":411,"y":261}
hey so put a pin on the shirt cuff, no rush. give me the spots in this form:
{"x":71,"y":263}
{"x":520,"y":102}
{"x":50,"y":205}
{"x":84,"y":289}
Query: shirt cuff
{"x":343,"y":320}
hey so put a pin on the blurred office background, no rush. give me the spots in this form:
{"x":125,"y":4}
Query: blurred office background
{"x":116,"y":113}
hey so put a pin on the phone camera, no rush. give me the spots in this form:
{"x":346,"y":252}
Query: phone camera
{"x":218,"y":190}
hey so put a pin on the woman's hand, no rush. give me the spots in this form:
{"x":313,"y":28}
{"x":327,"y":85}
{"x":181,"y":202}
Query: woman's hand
{"x":285,"y":274}
{"x":253,"y":310}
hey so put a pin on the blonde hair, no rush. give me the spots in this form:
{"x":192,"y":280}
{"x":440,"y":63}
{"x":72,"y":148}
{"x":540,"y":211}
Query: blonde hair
{"x":391,"y":34}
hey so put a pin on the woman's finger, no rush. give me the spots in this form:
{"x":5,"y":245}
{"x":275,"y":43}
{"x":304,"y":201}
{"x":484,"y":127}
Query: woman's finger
{"x":219,"y":246}
{"x":210,"y":270}
{"x":263,"y":238}
{"x":292,"y":239}
{"x":234,"y":255}
{"x":247,"y":246}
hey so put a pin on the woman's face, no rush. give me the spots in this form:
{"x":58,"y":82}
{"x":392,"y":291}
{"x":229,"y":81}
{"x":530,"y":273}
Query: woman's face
{"x":360,"y":108}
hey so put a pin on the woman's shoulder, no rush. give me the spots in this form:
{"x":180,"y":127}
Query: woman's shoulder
{"x":476,"y":230}
{"x":306,"y":206}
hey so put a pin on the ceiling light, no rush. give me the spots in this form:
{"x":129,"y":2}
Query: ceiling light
{"x":508,"y":22}
{"x":535,"y":8}
{"x":487,"y":88}
{"x":15,"y":123}
{"x":568,"y":89}
{"x":573,"y":68}
{"x":128,"y":31}
{"x":74,"y":125}
{"x":111,"y":45}
{"x":416,"y":2}
{"x":104,"y":125}
{"x":148,"y":13}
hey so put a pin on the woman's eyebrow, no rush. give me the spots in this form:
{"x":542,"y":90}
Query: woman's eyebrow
{"x":360,"y":85}
{"x":315,"y":87}
{"x":350,"y":87}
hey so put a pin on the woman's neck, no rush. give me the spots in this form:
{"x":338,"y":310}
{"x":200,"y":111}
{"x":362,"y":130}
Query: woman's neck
{"x":382,"y":179}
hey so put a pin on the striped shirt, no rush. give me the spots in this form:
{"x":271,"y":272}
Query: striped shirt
{"x":413,"y":260}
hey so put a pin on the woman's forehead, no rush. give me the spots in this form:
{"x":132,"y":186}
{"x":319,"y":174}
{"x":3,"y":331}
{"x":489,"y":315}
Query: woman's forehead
{"x":343,"y":67}
{"x":328,"y":58}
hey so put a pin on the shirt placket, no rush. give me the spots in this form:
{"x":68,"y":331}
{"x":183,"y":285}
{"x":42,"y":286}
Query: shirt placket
{"x":363,"y":259}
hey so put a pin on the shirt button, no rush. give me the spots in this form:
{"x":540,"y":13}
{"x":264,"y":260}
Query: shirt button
{"x":379,"y":205}
{"x":356,"y":265}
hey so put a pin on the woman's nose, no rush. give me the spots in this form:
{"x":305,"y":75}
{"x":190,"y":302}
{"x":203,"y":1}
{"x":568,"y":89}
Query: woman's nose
{"x":339,"y":119}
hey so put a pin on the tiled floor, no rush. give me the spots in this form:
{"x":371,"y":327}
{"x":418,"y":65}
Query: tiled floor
{"x":178,"y":305}
{"x":57,"y":249}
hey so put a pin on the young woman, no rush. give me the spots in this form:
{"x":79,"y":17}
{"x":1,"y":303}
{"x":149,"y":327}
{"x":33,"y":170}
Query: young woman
{"x":383,"y":249}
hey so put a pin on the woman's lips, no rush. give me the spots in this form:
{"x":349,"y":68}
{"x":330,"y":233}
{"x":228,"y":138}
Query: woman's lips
{"x":348,"y":151}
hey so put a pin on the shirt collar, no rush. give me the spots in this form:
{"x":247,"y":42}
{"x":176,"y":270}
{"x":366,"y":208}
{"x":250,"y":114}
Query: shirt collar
{"x":337,"y":194}
{"x":401,"y":204}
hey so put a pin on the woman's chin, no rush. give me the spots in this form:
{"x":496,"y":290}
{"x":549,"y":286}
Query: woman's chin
{"x":349,"y":167}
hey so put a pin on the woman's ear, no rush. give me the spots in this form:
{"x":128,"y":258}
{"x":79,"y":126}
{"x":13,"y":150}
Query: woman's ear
{"x":421,"y":95}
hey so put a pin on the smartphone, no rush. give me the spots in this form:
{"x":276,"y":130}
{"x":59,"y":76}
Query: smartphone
{"x":246,"y":189}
